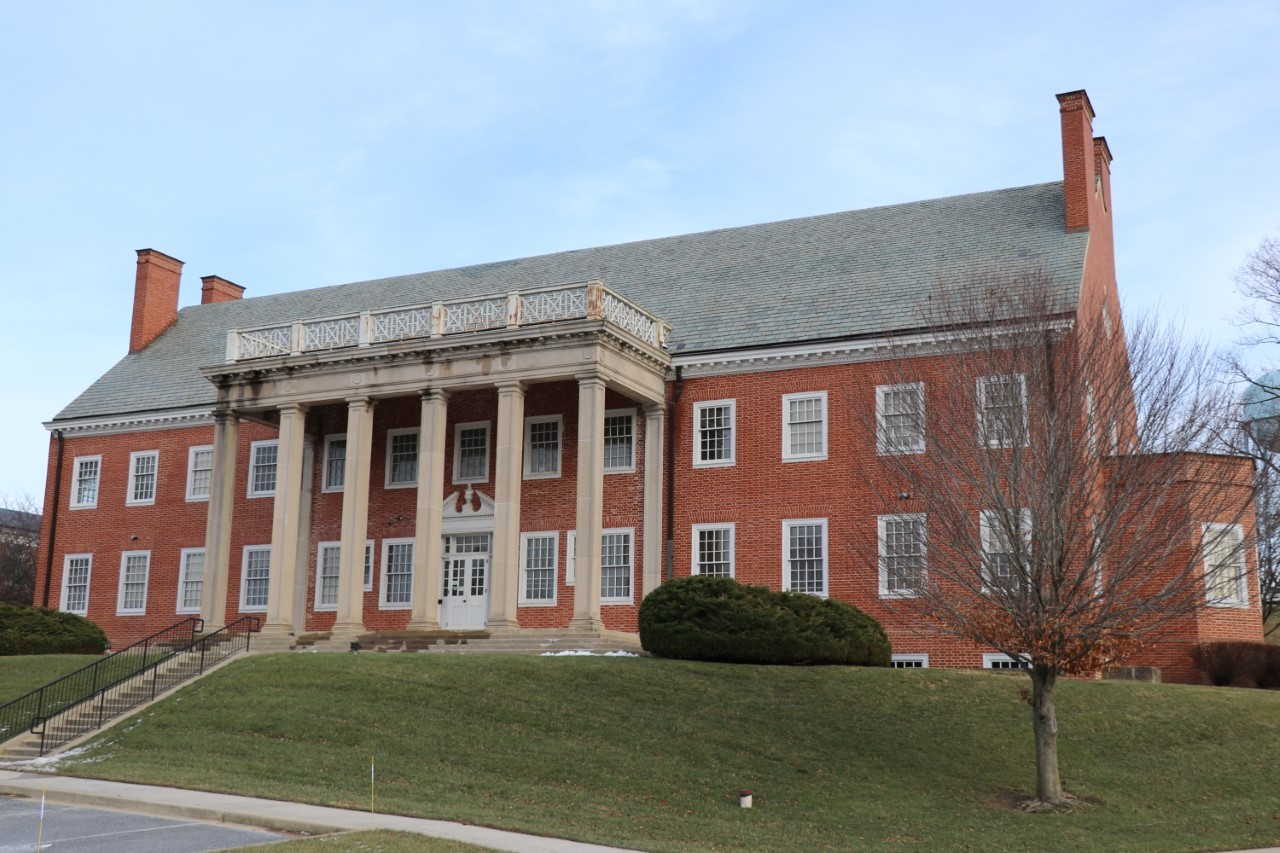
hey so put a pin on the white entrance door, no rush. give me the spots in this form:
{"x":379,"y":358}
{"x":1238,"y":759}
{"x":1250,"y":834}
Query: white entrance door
{"x":464,"y":602}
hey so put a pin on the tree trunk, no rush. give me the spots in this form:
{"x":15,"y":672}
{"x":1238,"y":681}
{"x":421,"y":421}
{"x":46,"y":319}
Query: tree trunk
{"x":1044,"y":721}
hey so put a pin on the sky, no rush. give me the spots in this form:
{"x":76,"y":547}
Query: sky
{"x":288,"y":145}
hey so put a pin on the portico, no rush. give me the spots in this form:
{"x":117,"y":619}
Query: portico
{"x":512,"y":346}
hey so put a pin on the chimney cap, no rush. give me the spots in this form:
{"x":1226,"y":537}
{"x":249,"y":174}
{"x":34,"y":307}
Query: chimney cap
{"x":1100,"y":146}
{"x":1076,"y":96}
{"x":156,"y":252}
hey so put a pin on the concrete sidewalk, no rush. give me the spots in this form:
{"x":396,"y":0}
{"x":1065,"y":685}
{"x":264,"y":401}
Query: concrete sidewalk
{"x":268,"y":814}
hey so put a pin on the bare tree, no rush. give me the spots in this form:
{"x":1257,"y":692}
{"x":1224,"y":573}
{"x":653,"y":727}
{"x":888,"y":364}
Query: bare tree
{"x":1258,"y":280}
{"x":1268,"y":539}
{"x":19,"y":538}
{"x":1061,"y":492}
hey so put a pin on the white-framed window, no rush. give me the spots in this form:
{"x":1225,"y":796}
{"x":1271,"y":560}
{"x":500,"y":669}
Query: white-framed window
{"x":991,"y":660}
{"x":368,"y":565}
{"x":570,"y":557}
{"x":538,"y":553}
{"x":1106,"y":319}
{"x":143,"y":468}
{"x":334,"y":476}
{"x":1090,"y":420}
{"x":543,"y":437}
{"x":135,"y":566}
{"x":76,"y":569}
{"x":903,"y":554}
{"x":471,"y":452}
{"x":804,"y":426}
{"x":1000,"y":552}
{"x":397,"y":574}
{"x":804,"y":555}
{"x":84,"y":482}
{"x":1225,"y":577}
{"x":900,"y":419}
{"x":1002,"y":411}
{"x":714,"y":433}
{"x":713,"y":550}
{"x":255,"y":578}
{"x":1113,"y":437}
{"x":402,"y":458}
{"x":617,"y":558}
{"x":909,"y":661}
{"x":619,"y":441}
{"x":328,"y":557}
{"x":263,"y":456}
{"x":190,"y":580}
{"x":199,"y":472}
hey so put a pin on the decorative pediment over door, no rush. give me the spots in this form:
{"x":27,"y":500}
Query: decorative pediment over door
{"x":468,"y":511}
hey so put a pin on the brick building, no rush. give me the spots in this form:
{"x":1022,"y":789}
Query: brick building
{"x":537,"y":443}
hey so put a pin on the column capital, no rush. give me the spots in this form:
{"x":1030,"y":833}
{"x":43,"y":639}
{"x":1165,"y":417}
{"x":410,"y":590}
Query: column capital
{"x":360,"y":400}
{"x":509,"y":386}
{"x":591,"y":377}
{"x":293,"y":408}
{"x":440,"y":394}
{"x":654,"y":410}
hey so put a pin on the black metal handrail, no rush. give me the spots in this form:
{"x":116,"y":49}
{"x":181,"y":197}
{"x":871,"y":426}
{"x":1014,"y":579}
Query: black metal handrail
{"x":122,"y":696}
{"x":20,"y":715}
{"x":83,"y":701}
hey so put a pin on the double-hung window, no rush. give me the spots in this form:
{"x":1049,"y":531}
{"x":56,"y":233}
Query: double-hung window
{"x":368,"y":566}
{"x":328,"y":557}
{"x":804,"y":426}
{"x":804,"y":555}
{"x":262,"y":468}
{"x":199,"y":473}
{"x":1006,"y":553}
{"x":255,"y":578}
{"x":909,"y":661}
{"x":84,"y":485}
{"x":135,"y":566}
{"x":471,"y":452}
{"x":993,"y":660}
{"x":619,"y":441}
{"x":542,"y":442}
{"x":713,"y":442}
{"x":75,"y":583}
{"x":900,"y":419}
{"x":402,"y":458}
{"x":397,"y":574}
{"x":335,"y":463}
{"x":713,"y":550}
{"x":190,"y":580}
{"x":1225,"y":579}
{"x":143,"y":466}
{"x":902,"y":554}
{"x":616,"y":560}
{"x":1002,"y":411}
{"x":538,"y":553}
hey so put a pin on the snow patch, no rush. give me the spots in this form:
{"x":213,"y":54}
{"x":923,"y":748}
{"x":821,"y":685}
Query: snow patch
{"x":590,"y":654}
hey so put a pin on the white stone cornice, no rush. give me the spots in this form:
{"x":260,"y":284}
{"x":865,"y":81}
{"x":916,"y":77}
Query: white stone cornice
{"x":135,"y":422}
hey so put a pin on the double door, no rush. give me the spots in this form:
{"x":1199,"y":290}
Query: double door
{"x":464,"y":600}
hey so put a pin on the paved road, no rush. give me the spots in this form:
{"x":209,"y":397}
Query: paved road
{"x":72,"y":829}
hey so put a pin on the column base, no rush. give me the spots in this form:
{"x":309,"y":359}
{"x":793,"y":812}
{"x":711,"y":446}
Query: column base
{"x":423,"y":625}
{"x":502,"y":626}
{"x":277,"y":629}
{"x":347,"y":629}
{"x":587,"y":623}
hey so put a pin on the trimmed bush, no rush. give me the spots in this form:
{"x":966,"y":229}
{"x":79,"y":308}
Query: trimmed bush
{"x":719,"y":619}
{"x":1229,"y":664}
{"x":1269,"y":671}
{"x":38,"y":631}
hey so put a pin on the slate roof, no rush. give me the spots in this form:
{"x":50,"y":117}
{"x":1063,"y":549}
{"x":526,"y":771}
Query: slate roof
{"x":840,"y":275}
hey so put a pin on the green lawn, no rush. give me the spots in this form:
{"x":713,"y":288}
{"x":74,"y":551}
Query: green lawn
{"x":22,"y":674}
{"x":364,"y":842}
{"x":647,"y":753}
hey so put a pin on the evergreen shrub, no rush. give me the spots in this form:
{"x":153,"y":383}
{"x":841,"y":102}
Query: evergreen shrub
{"x":719,"y":619}
{"x":26,"y":630}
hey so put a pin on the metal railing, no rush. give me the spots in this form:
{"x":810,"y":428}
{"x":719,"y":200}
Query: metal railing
{"x":88,"y":698}
{"x":513,"y":310}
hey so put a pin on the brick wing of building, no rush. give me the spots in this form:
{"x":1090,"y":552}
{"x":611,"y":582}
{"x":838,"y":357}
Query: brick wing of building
{"x":538,"y":443}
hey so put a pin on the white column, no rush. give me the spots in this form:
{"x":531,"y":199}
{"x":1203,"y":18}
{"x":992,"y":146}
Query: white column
{"x":349,"y":619}
{"x":217,"y":531}
{"x":586,"y":595}
{"x":654,"y":415}
{"x":284,"y":524}
{"x":508,"y":474}
{"x":427,"y":547}
{"x":302,"y":571}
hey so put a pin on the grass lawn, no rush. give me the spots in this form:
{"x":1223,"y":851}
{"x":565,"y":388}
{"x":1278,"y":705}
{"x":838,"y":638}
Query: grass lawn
{"x":22,"y":674}
{"x":647,"y":753}
{"x":364,"y":842}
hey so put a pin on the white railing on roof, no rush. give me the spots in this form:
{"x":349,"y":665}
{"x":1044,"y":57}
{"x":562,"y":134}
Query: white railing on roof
{"x":518,"y":309}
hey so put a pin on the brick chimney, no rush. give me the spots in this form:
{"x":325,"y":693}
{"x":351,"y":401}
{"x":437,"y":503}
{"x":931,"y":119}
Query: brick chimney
{"x":1078,"y":158}
{"x":216,"y":289}
{"x":155,"y":297}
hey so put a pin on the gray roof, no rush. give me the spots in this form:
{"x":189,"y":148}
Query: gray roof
{"x":840,"y":275}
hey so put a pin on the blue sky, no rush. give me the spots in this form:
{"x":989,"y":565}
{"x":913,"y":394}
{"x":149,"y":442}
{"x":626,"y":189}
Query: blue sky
{"x":285,"y":145}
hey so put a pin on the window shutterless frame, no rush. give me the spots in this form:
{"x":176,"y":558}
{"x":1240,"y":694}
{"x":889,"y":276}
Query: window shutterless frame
{"x":135,"y":571}
{"x":900,"y":419}
{"x":804,"y":426}
{"x":199,"y":472}
{"x":397,"y":575}
{"x":539,"y":567}
{"x":402,"y":458}
{"x":76,"y":571}
{"x":144,"y":475}
{"x":712,"y":549}
{"x":190,"y":580}
{"x":804,"y":556}
{"x":617,"y":565}
{"x":86,"y":477}
{"x":255,"y":578}
{"x":714,"y":433}
{"x":543,"y":446}
{"x":619,"y":441}
{"x":471,"y":452}
{"x":263,"y":456}
{"x":334,"y":476}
